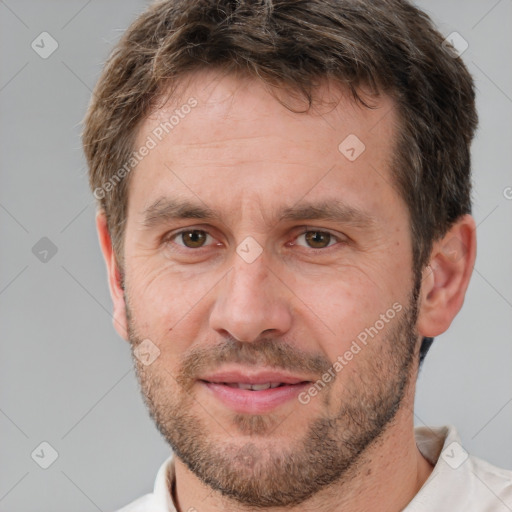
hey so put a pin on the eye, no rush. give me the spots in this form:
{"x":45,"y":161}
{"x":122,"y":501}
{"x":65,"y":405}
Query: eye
{"x":316,"y":239}
{"x":190,"y":238}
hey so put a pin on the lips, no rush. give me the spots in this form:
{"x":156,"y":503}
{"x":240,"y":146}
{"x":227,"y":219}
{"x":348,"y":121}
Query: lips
{"x":253,"y":392}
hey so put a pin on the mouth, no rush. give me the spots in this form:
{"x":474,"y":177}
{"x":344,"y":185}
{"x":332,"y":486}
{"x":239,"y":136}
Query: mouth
{"x":255,"y":387}
{"x":256,"y":394}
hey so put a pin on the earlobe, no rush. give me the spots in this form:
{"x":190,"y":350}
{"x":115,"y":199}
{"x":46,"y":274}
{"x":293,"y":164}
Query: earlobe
{"x":446,"y":278}
{"x":114,"y":276}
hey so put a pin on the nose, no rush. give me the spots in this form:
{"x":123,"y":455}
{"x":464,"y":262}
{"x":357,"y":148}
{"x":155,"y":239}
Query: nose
{"x":251,"y":302}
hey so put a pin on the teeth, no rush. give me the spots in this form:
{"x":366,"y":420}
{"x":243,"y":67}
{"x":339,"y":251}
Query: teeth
{"x":253,"y":387}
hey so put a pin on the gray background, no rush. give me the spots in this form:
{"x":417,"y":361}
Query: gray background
{"x":66,"y":377}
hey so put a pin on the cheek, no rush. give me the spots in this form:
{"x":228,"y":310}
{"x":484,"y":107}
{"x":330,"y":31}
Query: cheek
{"x":339,"y":309}
{"x":168,"y":307}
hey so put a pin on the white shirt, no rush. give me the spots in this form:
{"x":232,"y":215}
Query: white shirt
{"x":459,"y":482}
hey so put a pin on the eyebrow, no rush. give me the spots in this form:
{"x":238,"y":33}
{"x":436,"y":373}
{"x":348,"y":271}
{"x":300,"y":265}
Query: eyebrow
{"x":329,"y":210}
{"x":165,"y":210}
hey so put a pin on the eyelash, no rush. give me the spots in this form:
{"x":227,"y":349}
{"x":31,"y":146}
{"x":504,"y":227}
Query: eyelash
{"x":170,"y":239}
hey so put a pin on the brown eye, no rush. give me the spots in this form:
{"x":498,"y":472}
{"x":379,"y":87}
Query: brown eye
{"x":318,"y":239}
{"x":193,"y":239}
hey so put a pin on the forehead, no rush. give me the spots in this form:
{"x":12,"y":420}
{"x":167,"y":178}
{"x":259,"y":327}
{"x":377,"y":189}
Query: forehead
{"x":225,"y":139}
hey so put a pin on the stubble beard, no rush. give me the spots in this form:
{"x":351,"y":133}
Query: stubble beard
{"x":260,"y":469}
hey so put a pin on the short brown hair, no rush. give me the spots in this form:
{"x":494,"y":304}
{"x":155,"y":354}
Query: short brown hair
{"x":388,"y":46}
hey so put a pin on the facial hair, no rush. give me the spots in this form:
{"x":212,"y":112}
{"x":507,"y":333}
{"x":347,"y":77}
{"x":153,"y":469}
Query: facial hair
{"x":259,"y":474}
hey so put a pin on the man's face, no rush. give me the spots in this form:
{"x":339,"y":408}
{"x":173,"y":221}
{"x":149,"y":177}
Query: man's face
{"x":269,"y":285}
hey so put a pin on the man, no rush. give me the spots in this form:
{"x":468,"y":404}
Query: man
{"x":284,"y":210}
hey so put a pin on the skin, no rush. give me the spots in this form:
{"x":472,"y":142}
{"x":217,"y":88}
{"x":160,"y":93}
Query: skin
{"x":295,"y":307}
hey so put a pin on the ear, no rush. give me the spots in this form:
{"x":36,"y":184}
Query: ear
{"x":114,"y":276}
{"x":446,"y":278}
